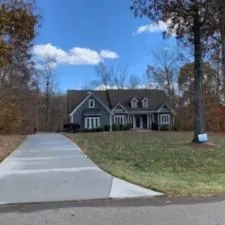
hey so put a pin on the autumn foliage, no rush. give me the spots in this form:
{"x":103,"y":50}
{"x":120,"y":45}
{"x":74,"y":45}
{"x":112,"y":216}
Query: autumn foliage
{"x":18,"y":87}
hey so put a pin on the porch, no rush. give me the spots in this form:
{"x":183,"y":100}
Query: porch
{"x":144,"y":120}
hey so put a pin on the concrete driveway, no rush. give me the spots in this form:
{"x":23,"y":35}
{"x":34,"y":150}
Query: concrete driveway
{"x":49,"y":167}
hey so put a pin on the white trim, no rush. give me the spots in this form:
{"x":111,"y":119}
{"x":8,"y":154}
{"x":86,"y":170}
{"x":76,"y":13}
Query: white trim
{"x":165,"y":104}
{"x":85,"y":99}
{"x":150,"y":118}
{"x":120,"y":106}
{"x":110,"y":122}
{"x":79,"y":105}
{"x":144,"y":101}
{"x":148,"y":123}
{"x":132,"y":103}
{"x":102,"y":103}
{"x":134,"y":122}
{"x":89,"y":121}
{"x":71,"y":119}
{"x":119,"y":117}
{"x":91,"y":103}
{"x":165,"y":118}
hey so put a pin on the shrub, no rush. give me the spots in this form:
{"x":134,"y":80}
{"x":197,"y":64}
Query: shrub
{"x":165,"y":127}
{"x":155,"y":126}
{"x":71,"y":127}
{"x":115,"y":127}
{"x":106,"y":128}
{"x":93,"y":130}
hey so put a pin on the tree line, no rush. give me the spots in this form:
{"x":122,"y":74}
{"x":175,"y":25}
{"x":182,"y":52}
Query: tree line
{"x":194,"y":78}
{"x":27,"y":97}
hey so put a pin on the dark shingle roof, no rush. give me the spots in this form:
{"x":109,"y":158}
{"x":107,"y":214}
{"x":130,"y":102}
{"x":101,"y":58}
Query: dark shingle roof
{"x":156,"y":98}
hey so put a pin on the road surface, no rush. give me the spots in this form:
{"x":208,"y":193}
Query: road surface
{"x":126,"y":212}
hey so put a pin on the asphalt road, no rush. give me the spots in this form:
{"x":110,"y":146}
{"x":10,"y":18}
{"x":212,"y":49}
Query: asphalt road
{"x":131,"y":212}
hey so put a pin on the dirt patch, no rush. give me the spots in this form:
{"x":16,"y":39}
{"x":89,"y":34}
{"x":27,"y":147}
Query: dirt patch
{"x":208,"y":145}
{"x":8,"y":144}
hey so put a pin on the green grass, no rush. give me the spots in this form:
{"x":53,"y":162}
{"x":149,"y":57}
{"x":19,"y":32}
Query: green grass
{"x":162,"y":161}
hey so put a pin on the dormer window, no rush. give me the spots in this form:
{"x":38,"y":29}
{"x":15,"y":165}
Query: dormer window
{"x":91,"y":103}
{"x":144,"y":102}
{"x":134,"y":103}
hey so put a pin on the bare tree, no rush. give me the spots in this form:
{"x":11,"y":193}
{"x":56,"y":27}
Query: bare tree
{"x":47,"y":81}
{"x":119,"y":76}
{"x":134,"y":82}
{"x":104,"y":77}
{"x":165,"y":73}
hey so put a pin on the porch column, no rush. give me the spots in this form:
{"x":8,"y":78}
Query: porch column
{"x":110,"y":122}
{"x":158,"y":121}
{"x":134,"y":125}
{"x":148,"y":121}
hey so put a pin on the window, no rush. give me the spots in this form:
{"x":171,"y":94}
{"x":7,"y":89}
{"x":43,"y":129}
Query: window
{"x":119,"y":119}
{"x":144,"y":103}
{"x":91,"y":103}
{"x":134,"y":102}
{"x":92,"y":122}
{"x":165,"y":119}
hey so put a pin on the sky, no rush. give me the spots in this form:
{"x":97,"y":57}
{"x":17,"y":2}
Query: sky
{"x":79,"y":34}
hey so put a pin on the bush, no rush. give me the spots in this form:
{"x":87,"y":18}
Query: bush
{"x":106,"y":128}
{"x":165,"y":127}
{"x":119,"y":127}
{"x":115,"y":127}
{"x":155,"y":126}
{"x":71,"y":127}
{"x":93,"y":130}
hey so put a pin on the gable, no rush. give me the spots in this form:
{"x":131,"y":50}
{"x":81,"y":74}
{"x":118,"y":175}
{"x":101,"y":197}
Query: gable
{"x":119,"y":109}
{"x":84,"y":104}
{"x":164,"y":108}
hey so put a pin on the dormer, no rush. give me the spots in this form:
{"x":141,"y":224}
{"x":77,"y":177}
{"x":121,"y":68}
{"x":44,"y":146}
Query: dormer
{"x":134,"y":102}
{"x":144,"y":102}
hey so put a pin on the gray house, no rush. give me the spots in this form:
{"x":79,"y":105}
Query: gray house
{"x":140,"y":108}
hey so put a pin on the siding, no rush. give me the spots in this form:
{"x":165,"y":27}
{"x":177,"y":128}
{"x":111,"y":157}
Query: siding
{"x":78,"y":116}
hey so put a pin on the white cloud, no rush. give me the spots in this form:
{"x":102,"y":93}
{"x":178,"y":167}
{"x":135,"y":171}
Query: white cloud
{"x":48,"y":51}
{"x":103,"y":87}
{"x":109,"y":54}
{"x":75,"y":56}
{"x":153,"y":27}
{"x":161,"y":26}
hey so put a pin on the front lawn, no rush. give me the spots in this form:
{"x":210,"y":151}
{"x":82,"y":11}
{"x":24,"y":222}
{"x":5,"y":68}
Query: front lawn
{"x":162,"y":161}
{"x":8,"y":143}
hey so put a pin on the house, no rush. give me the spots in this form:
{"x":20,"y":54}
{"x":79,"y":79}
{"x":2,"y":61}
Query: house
{"x":140,"y":108}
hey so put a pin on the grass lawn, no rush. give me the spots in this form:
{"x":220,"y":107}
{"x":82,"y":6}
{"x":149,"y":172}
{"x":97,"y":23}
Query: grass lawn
{"x":8,"y":143}
{"x":162,"y":161}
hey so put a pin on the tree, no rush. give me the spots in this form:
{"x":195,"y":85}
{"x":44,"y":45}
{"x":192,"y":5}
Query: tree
{"x":212,"y":99}
{"x":134,"y":82}
{"x":104,"y":78}
{"x":18,"y":86}
{"x":191,"y":22}
{"x":46,"y":104}
{"x":163,"y":72}
{"x":218,"y":24}
{"x":119,"y":75}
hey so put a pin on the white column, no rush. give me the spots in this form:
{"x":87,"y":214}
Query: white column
{"x":110,"y":122}
{"x":134,"y":125}
{"x":148,"y":121}
{"x":159,"y":122}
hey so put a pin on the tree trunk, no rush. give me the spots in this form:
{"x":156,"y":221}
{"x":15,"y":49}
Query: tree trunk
{"x":199,"y":126}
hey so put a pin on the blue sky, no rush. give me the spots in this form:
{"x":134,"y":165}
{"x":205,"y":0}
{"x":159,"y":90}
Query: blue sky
{"x":78,"y":34}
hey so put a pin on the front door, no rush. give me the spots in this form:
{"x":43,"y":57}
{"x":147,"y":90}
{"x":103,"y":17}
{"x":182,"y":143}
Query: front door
{"x":139,"y":122}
